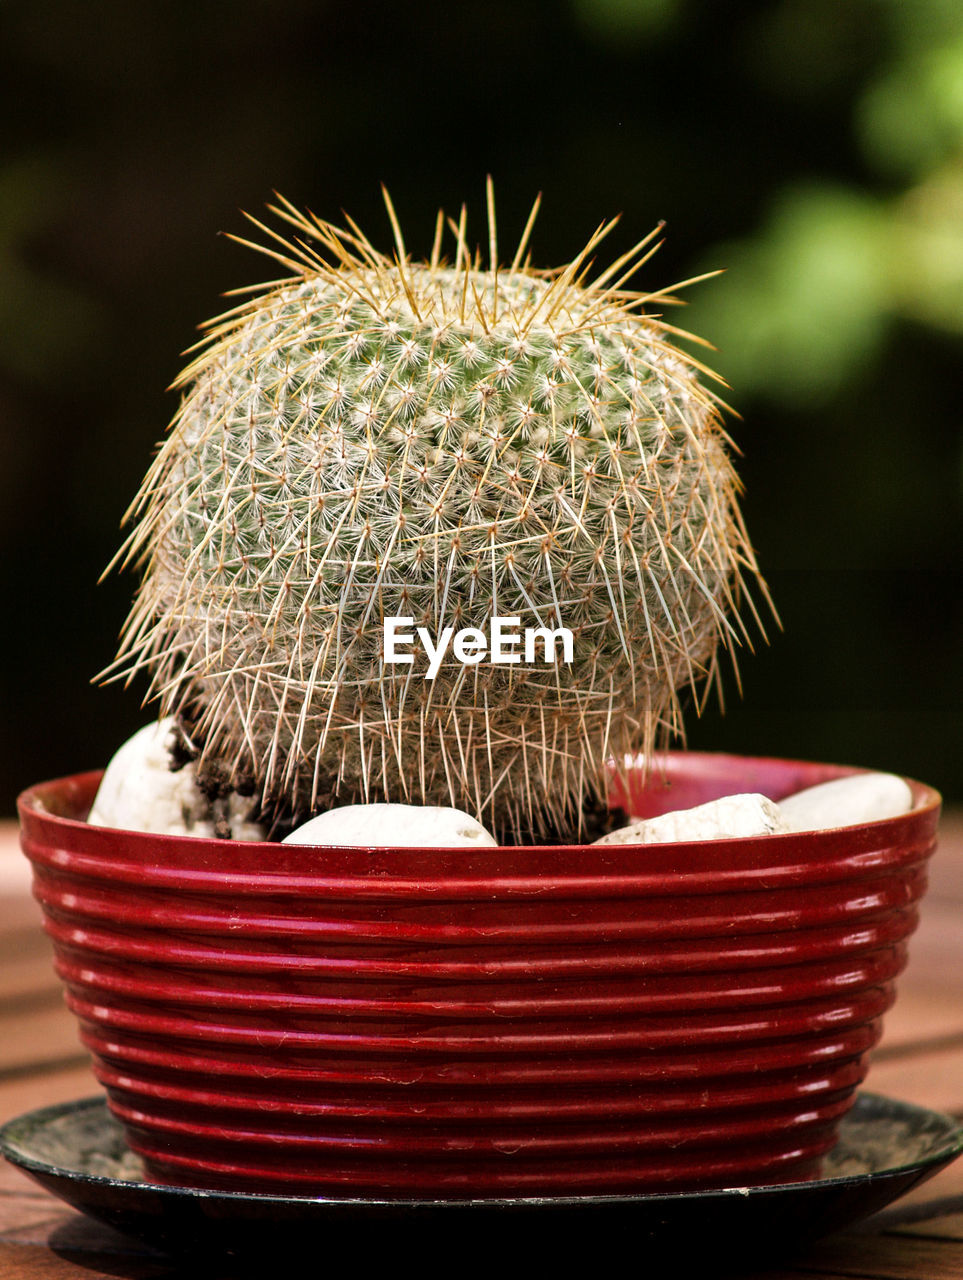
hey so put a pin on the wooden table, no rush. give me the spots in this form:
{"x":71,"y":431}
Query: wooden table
{"x":920,"y":1060}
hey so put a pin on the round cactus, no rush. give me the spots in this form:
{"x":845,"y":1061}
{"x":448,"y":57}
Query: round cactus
{"x":375,"y":438}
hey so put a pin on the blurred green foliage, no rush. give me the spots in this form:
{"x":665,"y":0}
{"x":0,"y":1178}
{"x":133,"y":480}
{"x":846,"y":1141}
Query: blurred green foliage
{"x":812,"y":148}
{"x":621,"y":21}
{"x":814,"y":289}
{"x":43,"y":320}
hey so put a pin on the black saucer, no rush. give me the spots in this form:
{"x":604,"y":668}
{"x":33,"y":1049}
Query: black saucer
{"x":77,"y":1151}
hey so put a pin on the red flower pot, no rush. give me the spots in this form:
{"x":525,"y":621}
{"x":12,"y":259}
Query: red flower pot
{"x":400,"y":1023}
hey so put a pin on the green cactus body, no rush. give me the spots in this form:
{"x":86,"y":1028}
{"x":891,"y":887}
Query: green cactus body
{"x":375,"y":438}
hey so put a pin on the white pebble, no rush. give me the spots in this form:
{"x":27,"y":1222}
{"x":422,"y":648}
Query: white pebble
{"x":862,"y":797}
{"x":399,"y":825}
{"x":731,"y":816}
{"x":238,"y":816}
{"x":140,"y":792}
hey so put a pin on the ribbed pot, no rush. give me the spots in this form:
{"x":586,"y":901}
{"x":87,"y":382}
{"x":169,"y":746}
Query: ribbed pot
{"x":496,"y":1022}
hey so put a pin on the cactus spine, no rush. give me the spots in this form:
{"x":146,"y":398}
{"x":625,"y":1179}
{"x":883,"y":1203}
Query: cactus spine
{"x":375,"y":437}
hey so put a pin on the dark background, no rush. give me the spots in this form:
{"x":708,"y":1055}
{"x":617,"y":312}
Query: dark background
{"x":813,"y":148}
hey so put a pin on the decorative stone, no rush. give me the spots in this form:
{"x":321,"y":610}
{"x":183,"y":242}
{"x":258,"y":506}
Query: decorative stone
{"x":862,"y":797}
{"x":239,"y":817}
{"x":398,"y":825}
{"x":142,"y":790}
{"x":731,"y":816}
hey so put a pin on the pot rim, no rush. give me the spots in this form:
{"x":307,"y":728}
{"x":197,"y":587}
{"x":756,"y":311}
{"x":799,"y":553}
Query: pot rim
{"x":927,"y":802}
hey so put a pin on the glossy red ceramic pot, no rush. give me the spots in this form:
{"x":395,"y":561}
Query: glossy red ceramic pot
{"x":400,"y":1023}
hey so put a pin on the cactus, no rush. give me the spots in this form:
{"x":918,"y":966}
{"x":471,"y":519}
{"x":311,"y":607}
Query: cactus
{"x":445,"y":441}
